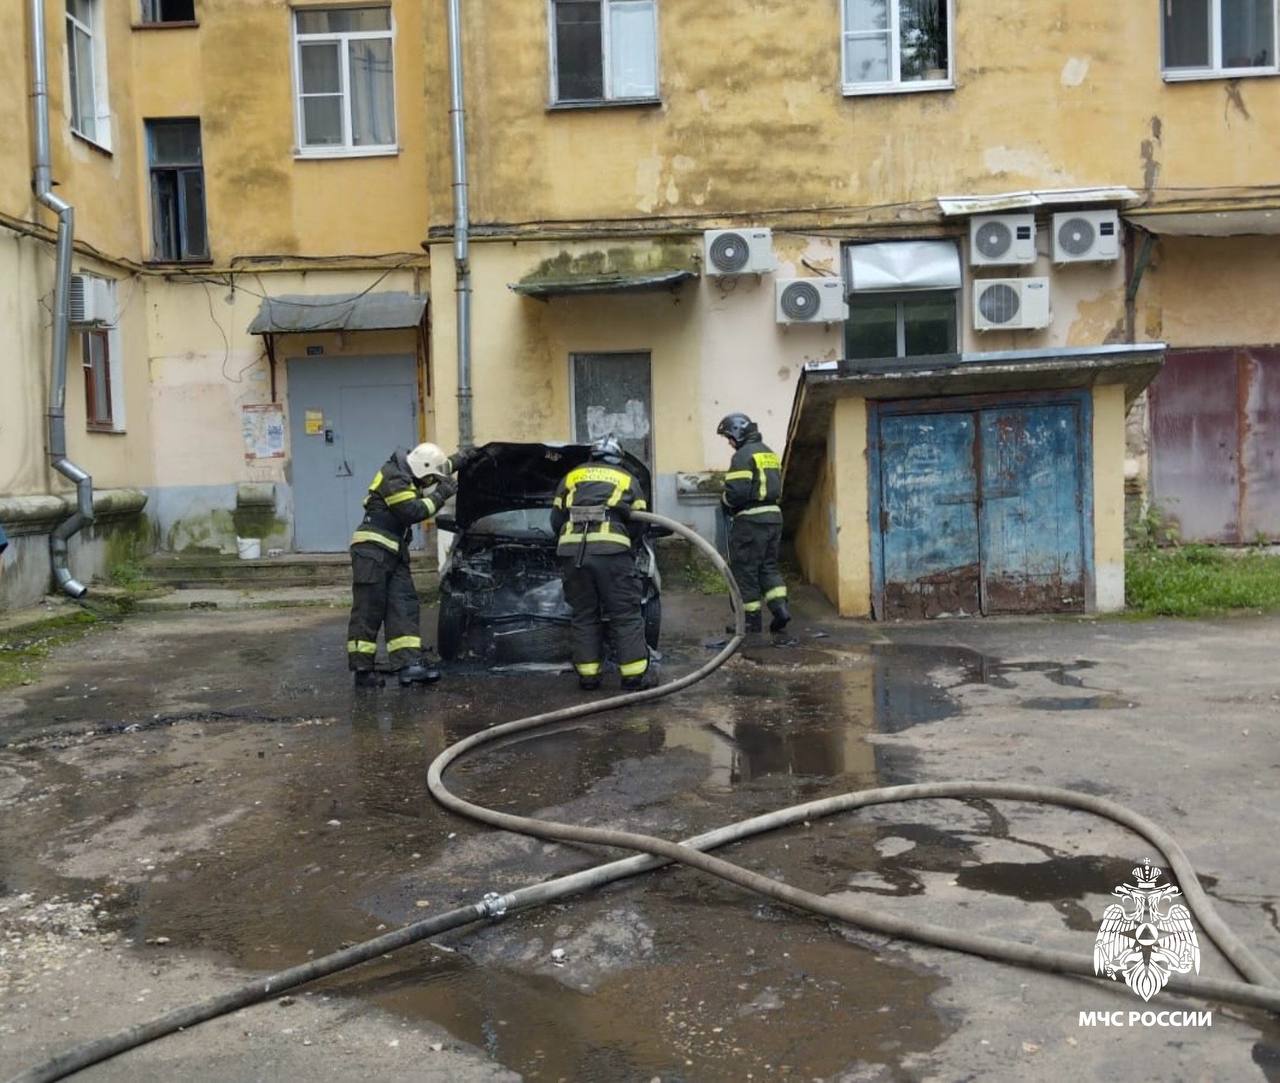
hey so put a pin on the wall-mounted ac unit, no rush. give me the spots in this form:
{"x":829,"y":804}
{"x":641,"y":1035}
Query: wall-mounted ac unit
{"x":89,"y":302}
{"x":811,"y":300}
{"x":1084,"y":236}
{"x":1010,"y":304}
{"x":1002,"y":240}
{"x":738,"y":251}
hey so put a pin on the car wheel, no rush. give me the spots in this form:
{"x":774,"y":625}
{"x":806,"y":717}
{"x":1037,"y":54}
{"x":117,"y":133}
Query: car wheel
{"x":652,"y":613}
{"x":451,"y":627}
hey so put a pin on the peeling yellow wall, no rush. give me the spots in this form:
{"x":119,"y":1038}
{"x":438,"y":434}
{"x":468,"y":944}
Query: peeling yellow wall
{"x":1108,"y":497}
{"x":816,"y":539}
{"x":1049,"y":94}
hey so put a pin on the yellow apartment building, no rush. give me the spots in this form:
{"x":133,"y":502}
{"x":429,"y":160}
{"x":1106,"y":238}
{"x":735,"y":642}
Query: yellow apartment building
{"x":938,"y":248}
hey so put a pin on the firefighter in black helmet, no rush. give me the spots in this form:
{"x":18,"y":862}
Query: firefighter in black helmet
{"x":601,"y":584}
{"x":752,"y":488}
{"x":411,"y":487}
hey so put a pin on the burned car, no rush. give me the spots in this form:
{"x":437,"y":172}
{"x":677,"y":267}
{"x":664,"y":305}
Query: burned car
{"x":500,"y":595}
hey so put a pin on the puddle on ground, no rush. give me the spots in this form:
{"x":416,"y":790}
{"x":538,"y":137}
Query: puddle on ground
{"x":334,"y":837}
{"x":1081,"y":703}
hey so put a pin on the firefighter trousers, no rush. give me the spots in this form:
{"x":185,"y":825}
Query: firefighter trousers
{"x":753,"y":559}
{"x":606,"y":592}
{"x":382,"y":596}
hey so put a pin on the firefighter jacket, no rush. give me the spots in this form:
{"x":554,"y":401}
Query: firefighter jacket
{"x":753,"y":484}
{"x":392,"y":505}
{"x":595,"y":485}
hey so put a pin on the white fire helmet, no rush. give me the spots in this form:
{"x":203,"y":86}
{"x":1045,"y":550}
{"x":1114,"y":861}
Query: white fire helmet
{"x":425,"y":460}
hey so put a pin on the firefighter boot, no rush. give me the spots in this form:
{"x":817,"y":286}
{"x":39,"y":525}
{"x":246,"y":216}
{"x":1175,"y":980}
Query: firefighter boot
{"x":753,"y":623}
{"x":368,"y":678}
{"x":589,"y":684}
{"x":781,"y":615}
{"x":418,"y":673}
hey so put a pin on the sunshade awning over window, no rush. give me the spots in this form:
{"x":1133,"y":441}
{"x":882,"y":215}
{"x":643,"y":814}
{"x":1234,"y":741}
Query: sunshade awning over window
{"x":303,"y":314}
{"x":547,"y":288}
{"x":1235,"y":222}
{"x":904,"y":265}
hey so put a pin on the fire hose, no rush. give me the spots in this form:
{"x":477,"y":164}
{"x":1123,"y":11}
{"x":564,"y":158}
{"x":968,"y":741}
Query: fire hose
{"x":1260,"y":988}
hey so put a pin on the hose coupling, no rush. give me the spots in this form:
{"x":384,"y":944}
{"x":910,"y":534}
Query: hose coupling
{"x":493,"y":905}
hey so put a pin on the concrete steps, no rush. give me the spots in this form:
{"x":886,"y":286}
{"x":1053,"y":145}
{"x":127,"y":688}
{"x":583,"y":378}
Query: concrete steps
{"x":201,"y":571}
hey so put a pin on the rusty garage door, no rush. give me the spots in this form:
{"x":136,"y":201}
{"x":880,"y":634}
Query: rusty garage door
{"x":982,"y":507}
{"x":1215,"y":427}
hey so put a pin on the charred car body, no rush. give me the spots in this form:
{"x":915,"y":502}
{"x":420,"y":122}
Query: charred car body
{"x":500,"y":595}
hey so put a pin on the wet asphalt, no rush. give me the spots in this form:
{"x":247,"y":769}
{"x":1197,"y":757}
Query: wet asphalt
{"x":217,"y":784}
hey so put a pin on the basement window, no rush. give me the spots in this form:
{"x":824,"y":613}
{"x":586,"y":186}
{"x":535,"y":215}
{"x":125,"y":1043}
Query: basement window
{"x":87,"y":72}
{"x":890,"y":46}
{"x":344,"y":81}
{"x":178,"y":225}
{"x":1214,"y":39}
{"x":604,"y":51}
{"x":168,"y":11}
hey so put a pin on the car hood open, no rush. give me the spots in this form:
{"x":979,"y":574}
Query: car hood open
{"x":507,"y":476}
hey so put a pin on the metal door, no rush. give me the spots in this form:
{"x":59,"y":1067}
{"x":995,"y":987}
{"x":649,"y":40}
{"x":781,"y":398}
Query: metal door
{"x":1031,"y":516}
{"x":346,"y":417}
{"x":1215,"y":429}
{"x":929,"y":515}
{"x":611,"y":394}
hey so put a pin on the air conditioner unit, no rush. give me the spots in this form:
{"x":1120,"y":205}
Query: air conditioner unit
{"x":89,"y":302}
{"x":1010,"y":304}
{"x":811,"y":300}
{"x":1002,"y":240}
{"x":738,"y":251}
{"x":1081,"y":236}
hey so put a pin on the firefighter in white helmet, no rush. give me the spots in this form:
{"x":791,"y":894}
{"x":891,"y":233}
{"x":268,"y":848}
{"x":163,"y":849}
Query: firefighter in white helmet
{"x":411,"y":487}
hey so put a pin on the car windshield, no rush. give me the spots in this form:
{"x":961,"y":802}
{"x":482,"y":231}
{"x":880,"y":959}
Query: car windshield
{"x":517,"y":523}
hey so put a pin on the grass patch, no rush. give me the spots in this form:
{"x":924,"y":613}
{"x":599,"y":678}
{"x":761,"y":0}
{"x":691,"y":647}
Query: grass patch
{"x":23,"y":653}
{"x":130,"y":575}
{"x":1196,"y":580}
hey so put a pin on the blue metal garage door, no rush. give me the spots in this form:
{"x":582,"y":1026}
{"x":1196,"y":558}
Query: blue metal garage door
{"x":983,"y":508}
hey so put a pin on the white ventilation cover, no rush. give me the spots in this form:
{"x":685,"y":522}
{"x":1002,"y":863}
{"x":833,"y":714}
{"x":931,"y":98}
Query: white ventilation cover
{"x":903,"y":265}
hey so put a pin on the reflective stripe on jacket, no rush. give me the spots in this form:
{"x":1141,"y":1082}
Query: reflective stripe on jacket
{"x":391,"y":507}
{"x":591,"y":486}
{"x":753,"y":484}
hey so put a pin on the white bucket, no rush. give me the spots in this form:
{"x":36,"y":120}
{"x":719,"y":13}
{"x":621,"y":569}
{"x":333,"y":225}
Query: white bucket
{"x":249,"y":548}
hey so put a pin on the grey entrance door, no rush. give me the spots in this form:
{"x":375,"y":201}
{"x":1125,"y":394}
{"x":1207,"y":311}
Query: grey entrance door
{"x":346,"y":416}
{"x":611,"y":395}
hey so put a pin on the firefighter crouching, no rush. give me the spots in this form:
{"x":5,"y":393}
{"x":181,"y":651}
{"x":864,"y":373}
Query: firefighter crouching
{"x":601,"y":584}
{"x":411,"y":487}
{"x":752,"y":489}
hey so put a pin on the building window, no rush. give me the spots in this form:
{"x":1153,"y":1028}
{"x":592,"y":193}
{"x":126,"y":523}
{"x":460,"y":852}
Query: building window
{"x":87,"y":72}
{"x":1208,"y":38}
{"x":604,"y":50}
{"x":97,"y":380}
{"x":345,"y":81}
{"x":179,"y":230}
{"x":168,"y":11}
{"x":893,"y":45}
{"x":884,"y":326}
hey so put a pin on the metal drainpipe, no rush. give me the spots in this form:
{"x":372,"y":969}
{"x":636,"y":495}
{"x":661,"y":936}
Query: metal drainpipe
{"x":42,"y":184}
{"x":461,"y":223}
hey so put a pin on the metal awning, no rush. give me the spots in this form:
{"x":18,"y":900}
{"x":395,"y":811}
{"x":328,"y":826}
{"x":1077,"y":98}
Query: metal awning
{"x":294,"y":314}
{"x":1235,"y":222}
{"x":963,"y":206}
{"x":546,"y":288}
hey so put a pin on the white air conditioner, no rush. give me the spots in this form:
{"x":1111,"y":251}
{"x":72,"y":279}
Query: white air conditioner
{"x":1002,"y":240}
{"x":738,"y":251}
{"x":811,"y":300}
{"x":89,"y":302}
{"x":1010,"y":304}
{"x":1086,"y":236}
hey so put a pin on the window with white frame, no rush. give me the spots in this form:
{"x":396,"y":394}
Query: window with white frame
{"x":892,"y":45}
{"x":87,"y":72}
{"x":903,"y":300}
{"x":1207,"y":38}
{"x":604,"y":50}
{"x":345,"y":81}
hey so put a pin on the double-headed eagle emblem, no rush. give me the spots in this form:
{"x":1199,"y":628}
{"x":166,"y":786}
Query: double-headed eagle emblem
{"x":1146,"y":938}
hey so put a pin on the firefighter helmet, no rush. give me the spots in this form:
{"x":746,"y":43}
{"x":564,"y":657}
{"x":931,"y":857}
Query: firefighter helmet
{"x":425,"y":460}
{"x":606,"y":449}
{"x":738,"y":428}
